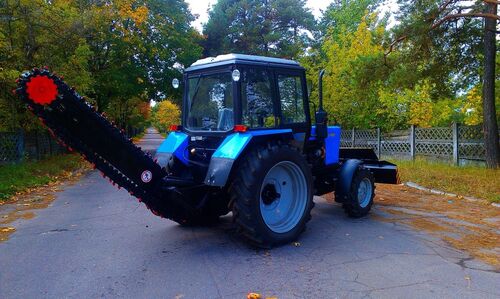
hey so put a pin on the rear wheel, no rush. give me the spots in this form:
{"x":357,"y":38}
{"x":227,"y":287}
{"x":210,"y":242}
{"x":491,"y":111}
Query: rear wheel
{"x":271,"y":195}
{"x":360,"y":197}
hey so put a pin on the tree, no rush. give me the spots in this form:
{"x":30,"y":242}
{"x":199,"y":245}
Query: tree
{"x":270,"y":28}
{"x":345,"y":16}
{"x":166,"y":113}
{"x":120,"y":54}
{"x":448,"y":34}
{"x":340,"y":18}
{"x":139,"y":46}
{"x":489,"y":112}
{"x":355,"y":74}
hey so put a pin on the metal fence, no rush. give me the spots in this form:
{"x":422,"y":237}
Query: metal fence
{"x":457,"y":143}
{"x":15,"y":147}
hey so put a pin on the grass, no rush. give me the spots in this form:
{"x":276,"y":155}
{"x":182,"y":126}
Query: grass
{"x":472,"y":181}
{"x":15,"y":178}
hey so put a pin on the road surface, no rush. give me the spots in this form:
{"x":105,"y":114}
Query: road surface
{"x":95,"y":241}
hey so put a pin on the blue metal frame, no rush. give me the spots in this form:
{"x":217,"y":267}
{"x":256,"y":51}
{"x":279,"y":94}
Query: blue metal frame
{"x":332,"y":144}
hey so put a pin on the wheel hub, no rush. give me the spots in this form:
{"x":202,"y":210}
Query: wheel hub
{"x":269,"y":194}
{"x":364,"y":192}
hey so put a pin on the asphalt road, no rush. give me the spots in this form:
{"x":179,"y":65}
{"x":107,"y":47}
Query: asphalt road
{"x":95,"y":241}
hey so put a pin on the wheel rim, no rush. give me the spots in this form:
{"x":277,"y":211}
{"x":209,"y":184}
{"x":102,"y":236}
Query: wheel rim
{"x":364,"y":192}
{"x":283,"y":197}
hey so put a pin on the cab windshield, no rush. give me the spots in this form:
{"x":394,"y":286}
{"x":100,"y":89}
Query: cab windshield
{"x":210,"y":103}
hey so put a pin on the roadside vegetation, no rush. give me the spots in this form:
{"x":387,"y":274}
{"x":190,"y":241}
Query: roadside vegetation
{"x":475,"y":181}
{"x":17,"y":178}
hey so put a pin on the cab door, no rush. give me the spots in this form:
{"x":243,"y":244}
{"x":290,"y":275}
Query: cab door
{"x":293,"y":109}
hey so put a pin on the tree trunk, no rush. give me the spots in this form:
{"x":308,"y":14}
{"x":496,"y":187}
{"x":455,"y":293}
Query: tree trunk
{"x":489,"y":111}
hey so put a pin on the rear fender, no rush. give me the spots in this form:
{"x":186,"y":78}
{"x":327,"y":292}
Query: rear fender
{"x":233,"y":147}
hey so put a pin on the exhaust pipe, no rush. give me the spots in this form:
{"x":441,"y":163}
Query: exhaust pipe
{"x":321,"y":115}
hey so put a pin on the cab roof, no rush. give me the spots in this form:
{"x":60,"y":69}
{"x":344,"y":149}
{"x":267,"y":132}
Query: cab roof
{"x":243,"y":59}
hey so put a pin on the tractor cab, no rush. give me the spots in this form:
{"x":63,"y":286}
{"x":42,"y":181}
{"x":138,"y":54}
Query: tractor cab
{"x":251,"y":92}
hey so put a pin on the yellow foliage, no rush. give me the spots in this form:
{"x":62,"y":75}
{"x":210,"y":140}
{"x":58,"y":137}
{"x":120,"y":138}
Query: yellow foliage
{"x":138,"y":15}
{"x":347,"y":86}
{"x":473,"y":107}
{"x":165,"y":114}
{"x":421,"y":114}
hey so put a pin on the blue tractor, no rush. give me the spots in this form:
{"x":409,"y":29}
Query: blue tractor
{"x":247,"y":145}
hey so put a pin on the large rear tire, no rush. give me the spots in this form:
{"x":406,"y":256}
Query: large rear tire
{"x":272,"y":195}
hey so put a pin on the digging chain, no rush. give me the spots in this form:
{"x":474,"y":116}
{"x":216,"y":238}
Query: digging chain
{"x":70,"y":106}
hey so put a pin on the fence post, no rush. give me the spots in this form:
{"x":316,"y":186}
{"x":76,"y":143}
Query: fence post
{"x":353,"y":137}
{"x":455,"y":143}
{"x":379,"y":143}
{"x":37,"y":145}
{"x":20,"y":145}
{"x":412,"y":142}
{"x":49,"y":141}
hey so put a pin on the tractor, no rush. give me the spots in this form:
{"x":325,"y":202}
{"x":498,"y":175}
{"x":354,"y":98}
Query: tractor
{"x":246,"y":144}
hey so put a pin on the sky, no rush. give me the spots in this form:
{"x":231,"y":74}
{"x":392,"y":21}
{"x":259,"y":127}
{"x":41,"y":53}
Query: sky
{"x":200,"y":8}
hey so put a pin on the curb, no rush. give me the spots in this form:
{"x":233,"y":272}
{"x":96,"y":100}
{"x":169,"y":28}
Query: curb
{"x":439,"y":192}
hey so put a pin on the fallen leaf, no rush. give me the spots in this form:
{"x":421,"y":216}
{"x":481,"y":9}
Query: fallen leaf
{"x":7,"y":229}
{"x":253,"y":296}
{"x":468,"y":281}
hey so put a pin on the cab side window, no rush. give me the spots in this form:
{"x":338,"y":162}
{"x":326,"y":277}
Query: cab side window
{"x":257,"y":100}
{"x":291,"y":98}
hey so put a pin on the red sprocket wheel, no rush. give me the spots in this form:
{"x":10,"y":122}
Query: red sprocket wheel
{"x":41,"y":90}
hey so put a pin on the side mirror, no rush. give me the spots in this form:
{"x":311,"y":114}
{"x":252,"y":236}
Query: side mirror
{"x":175,"y":83}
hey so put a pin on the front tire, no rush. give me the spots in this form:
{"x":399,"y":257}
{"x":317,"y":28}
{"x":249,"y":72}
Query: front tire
{"x":360,"y":197}
{"x":271,"y":195}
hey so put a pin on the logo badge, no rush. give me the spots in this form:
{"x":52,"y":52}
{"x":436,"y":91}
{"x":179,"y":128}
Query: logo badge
{"x":146,"y":176}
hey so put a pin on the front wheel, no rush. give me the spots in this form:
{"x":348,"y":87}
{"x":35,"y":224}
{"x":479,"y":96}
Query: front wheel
{"x":271,"y":195}
{"x":360,"y":197}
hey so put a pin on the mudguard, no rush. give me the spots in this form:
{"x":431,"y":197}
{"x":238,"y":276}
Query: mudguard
{"x":175,"y":145}
{"x":346,"y":175}
{"x":229,"y":151}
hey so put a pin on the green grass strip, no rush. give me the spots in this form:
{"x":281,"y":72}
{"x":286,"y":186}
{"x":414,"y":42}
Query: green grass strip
{"x":16,"y":178}
{"x":474,"y":181}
